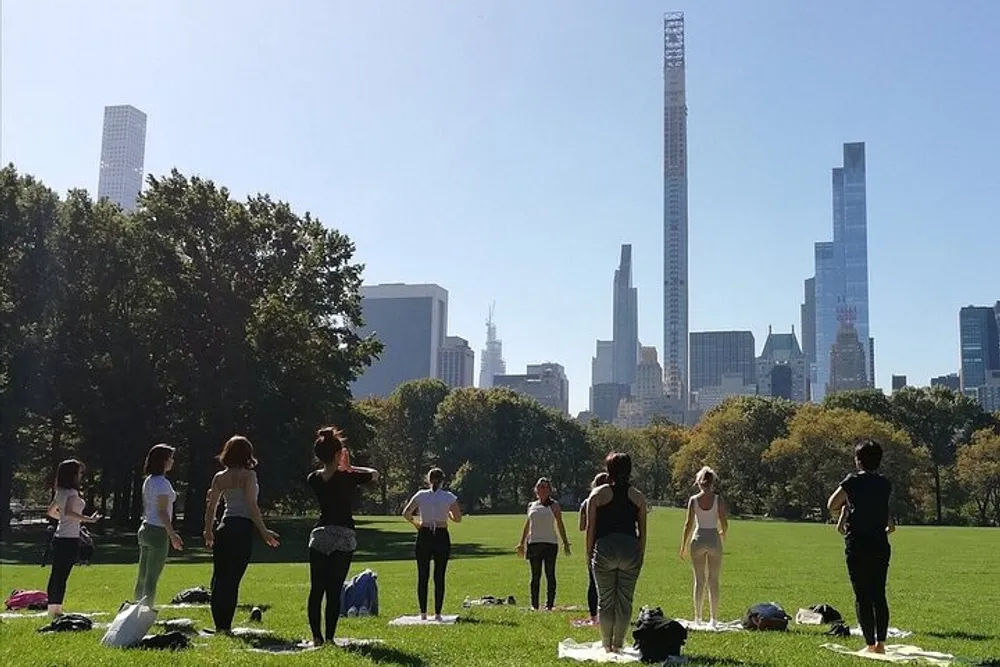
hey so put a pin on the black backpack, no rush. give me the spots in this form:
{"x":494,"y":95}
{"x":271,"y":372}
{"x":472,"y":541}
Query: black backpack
{"x":68,"y":623}
{"x":196,"y":595}
{"x":766,"y":616}
{"x":656,"y":636}
{"x":171,"y":641}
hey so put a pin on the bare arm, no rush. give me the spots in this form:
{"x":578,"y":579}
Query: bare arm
{"x":640,"y":502}
{"x":72,"y":514}
{"x":723,"y":517}
{"x":842,"y":521}
{"x":837,"y":500}
{"x":163,"y":511}
{"x":211,"y":505}
{"x":252,"y":491}
{"x":410,"y":510}
{"x":560,"y":526}
{"x":688,"y":527}
{"x":455,"y":512}
{"x":524,"y":539}
{"x":600,"y":496}
{"x":583,"y":517}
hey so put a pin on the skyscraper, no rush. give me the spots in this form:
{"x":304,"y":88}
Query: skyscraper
{"x":675,"y":210}
{"x":808,"y":313}
{"x":411,"y":321}
{"x":781,"y":368}
{"x":492,"y":363}
{"x":717,"y":353}
{"x":123,"y":151}
{"x":847,"y":359}
{"x":842,"y":268}
{"x":455,"y":362}
{"x":980,"y":348}
{"x":625,"y":352}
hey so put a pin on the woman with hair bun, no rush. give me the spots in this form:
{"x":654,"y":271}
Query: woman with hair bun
{"x":707,"y":522}
{"x":332,"y":542}
{"x":67,"y":508}
{"x":435,"y":506}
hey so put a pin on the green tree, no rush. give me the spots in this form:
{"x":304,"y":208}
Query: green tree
{"x":978,"y":470}
{"x":732,"y":439}
{"x":940,"y":421}
{"x":28,"y":218}
{"x":410,"y":414}
{"x":870,"y":401}
{"x":818,"y":452}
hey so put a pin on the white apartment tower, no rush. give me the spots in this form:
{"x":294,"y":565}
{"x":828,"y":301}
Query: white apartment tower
{"x":675,"y":211}
{"x":123,"y":151}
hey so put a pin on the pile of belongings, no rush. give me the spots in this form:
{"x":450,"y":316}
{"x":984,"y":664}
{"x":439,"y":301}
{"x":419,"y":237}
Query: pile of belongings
{"x":656,"y":637}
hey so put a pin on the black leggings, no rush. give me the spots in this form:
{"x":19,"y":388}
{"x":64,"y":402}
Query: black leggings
{"x":327,"y":574}
{"x":230,"y":558}
{"x":432,"y":545}
{"x":868,"y":567}
{"x":64,"y":553}
{"x":543,"y":554}
{"x":592,"y":593}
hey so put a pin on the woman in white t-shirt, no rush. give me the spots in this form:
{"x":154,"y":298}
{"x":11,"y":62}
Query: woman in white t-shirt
{"x":435,"y":507}
{"x":66,"y":507}
{"x":156,"y":534}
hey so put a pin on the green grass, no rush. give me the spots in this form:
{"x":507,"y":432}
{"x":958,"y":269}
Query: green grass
{"x":944,"y":583}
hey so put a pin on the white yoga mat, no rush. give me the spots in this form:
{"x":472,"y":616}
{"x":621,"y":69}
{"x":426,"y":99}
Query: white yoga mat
{"x":898,"y":653}
{"x":186,"y":605}
{"x":416,"y":620}
{"x":594,"y":652}
{"x":891,"y":633}
{"x":720,"y":626}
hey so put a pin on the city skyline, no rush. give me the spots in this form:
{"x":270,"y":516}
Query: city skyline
{"x":537,"y":132}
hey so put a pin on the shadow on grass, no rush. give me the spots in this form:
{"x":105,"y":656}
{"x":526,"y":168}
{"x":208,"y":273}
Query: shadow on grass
{"x":25,"y":545}
{"x":962,"y":634}
{"x":464,"y":620}
{"x":695,"y":659}
{"x":382,"y":653}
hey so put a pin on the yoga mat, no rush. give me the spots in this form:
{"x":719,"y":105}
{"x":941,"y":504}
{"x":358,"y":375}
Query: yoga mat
{"x":720,"y":626}
{"x":898,"y":653}
{"x":892,"y":633}
{"x":584,"y":623}
{"x":594,"y":652}
{"x":307,"y":646}
{"x":186,"y":605}
{"x":416,"y":620}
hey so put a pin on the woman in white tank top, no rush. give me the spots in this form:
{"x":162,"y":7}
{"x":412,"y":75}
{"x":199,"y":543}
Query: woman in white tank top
{"x":707,"y":522}
{"x":539,"y":534}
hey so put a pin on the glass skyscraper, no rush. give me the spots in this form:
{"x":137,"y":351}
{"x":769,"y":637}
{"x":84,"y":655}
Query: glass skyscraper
{"x":842,"y":269}
{"x":980,"y":349}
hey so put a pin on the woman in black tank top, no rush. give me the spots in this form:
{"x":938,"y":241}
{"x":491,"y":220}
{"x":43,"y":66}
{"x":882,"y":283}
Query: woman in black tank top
{"x":616,"y":547}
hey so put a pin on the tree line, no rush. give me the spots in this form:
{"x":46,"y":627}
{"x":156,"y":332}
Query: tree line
{"x":197,"y":316}
{"x":774,"y":457}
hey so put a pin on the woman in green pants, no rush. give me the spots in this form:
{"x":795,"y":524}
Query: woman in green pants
{"x":156,"y":534}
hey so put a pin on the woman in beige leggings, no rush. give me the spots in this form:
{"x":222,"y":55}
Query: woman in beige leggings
{"x":708,"y":523}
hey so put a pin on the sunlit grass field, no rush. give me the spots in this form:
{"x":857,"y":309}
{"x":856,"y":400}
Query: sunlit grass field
{"x":944,"y":586}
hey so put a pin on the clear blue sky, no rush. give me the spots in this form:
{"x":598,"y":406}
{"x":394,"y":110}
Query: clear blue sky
{"x":505,"y":149}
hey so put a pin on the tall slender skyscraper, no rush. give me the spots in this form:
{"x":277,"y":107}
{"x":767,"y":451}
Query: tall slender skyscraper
{"x":980,"y":345}
{"x":492,"y":357}
{"x":123,"y":151}
{"x":675,"y":210}
{"x":842,"y":269}
{"x":625,"y":354}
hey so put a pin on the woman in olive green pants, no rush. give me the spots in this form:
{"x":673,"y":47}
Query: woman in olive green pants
{"x":156,"y":534}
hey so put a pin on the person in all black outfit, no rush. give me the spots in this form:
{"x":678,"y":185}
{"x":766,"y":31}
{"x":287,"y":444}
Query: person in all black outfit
{"x":332,"y":542}
{"x":866,"y":529}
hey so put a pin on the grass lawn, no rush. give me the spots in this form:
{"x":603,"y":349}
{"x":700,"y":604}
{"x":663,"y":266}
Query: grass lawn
{"x":944,"y":585}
